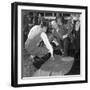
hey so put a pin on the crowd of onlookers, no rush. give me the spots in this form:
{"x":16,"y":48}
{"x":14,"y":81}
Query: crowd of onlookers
{"x":70,"y":45}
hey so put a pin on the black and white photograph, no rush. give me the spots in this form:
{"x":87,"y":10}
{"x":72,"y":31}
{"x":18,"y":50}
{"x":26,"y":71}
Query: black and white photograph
{"x":50,"y":43}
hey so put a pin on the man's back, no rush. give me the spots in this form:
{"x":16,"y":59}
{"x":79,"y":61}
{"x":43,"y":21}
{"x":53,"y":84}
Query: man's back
{"x":33,"y":38}
{"x":36,"y":30}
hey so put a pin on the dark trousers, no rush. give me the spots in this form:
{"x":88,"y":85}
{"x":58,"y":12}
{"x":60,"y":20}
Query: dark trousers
{"x":66,"y":44}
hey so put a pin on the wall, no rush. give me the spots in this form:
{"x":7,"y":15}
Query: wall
{"x":5,"y":46}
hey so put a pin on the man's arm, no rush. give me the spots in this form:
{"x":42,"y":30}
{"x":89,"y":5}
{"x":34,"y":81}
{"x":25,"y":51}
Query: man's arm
{"x":47,"y":43}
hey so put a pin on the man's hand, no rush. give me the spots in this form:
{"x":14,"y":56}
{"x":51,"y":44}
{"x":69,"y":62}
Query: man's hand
{"x":52,"y":57}
{"x":47,"y":43}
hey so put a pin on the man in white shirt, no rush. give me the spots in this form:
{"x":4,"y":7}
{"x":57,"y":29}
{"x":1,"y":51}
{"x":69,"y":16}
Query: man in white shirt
{"x":35,"y":36}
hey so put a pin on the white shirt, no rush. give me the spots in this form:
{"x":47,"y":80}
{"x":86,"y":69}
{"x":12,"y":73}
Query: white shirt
{"x":37,"y":30}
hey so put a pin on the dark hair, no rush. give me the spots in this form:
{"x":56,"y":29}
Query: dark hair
{"x":61,"y":17}
{"x":44,"y":24}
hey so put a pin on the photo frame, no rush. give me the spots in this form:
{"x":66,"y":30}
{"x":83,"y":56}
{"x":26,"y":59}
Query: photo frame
{"x":68,"y":69}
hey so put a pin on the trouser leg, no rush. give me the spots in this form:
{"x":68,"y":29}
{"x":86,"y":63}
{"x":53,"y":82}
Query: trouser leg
{"x":39,"y":61}
{"x":66,"y":46}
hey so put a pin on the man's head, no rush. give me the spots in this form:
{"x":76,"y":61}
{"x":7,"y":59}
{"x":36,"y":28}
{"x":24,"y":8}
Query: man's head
{"x":54,"y":24}
{"x":44,"y":26}
{"x":77,"y":25}
{"x":39,"y":15}
{"x":59,"y":20}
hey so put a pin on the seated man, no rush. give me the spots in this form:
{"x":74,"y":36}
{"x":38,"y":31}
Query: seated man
{"x":61,"y":33}
{"x":35,"y":36}
{"x":58,"y":35}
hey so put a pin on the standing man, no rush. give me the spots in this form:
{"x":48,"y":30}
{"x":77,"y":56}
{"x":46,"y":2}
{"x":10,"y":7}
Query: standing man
{"x":76,"y":41}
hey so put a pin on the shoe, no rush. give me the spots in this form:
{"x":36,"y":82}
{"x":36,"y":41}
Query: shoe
{"x":57,"y":52}
{"x":39,"y":61}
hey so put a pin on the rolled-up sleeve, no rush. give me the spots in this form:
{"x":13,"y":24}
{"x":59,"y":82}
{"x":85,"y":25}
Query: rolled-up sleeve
{"x":46,"y":42}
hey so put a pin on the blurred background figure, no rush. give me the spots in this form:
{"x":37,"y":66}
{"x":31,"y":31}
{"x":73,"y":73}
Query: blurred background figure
{"x":35,"y":18}
{"x":67,"y":40}
{"x":40,"y":19}
{"x":27,"y":20}
{"x":76,"y":42}
{"x":75,"y":36}
{"x":59,"y":18}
